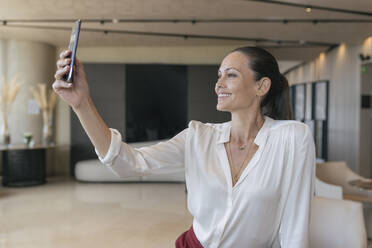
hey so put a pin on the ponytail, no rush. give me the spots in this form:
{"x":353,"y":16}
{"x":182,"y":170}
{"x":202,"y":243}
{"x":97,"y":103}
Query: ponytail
{"x":276,"y":103}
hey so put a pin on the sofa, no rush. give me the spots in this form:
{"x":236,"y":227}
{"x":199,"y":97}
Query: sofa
{"x":338,"y":173}
{"x":337,"y":223}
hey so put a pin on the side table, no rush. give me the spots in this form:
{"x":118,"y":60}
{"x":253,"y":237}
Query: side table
{"x":24,"y":166}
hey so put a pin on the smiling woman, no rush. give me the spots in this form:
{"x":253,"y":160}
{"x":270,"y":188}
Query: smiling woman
{"x":249,"y":181}
{"x":245,"y":69}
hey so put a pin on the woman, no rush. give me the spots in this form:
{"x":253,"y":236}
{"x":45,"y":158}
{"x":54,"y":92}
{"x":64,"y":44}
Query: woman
{"x":249,"y":181}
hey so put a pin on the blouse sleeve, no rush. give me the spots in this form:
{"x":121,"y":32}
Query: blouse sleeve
{"x":163,"y":157}
{"x":294,"y":227}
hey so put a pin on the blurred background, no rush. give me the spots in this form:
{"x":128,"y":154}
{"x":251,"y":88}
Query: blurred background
{"x":152,"y":65}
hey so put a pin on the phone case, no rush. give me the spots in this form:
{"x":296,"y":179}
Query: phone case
{"x":73,"y":47}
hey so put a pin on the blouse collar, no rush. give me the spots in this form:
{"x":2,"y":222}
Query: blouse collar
{"x":261,"y":135}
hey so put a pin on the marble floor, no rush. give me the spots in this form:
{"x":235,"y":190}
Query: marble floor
{"x":67,"y":213}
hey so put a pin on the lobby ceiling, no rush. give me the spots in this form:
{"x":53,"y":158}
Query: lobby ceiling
{"x":284,"y":27}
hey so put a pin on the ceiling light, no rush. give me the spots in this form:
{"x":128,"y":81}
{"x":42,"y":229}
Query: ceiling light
{"x":308,"y":9}
{"x":115,"y":20}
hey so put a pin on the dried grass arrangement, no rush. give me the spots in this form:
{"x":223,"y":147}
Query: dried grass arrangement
{"x":47,"y":102}
{"x":9,"y":91}
{"x":8,"y":94}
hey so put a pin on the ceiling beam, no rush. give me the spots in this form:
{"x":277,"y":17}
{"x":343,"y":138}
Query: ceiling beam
{"x":304,"y":6}
{"x":264,"y":42}
{"x":191,"y":21}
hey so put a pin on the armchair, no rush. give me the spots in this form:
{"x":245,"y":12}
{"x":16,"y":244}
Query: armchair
{"x":338,"y":173}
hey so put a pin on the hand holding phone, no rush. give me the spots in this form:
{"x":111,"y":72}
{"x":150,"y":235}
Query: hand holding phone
{"x":73,"y":47}
{"x":74,"y":91}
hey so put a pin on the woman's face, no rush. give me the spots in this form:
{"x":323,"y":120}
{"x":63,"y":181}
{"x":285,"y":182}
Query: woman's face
{"x":236,"y":87}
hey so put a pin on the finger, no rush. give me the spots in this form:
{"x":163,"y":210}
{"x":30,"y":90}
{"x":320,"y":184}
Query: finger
{"x":78,"y":63}
{"x":57,"y":85}
{"x":63,"y":62}
{"x":64,"y":54}
{"x":60,"y":72}
{"x":79,"y":68}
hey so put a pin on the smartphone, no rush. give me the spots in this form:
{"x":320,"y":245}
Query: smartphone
{"x":73,"y":47}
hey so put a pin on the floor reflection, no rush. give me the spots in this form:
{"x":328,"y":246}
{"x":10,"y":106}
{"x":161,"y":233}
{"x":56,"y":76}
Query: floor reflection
{"x":66,"y":213}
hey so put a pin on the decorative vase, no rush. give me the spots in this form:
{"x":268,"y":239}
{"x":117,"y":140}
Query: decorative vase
{"x":47,"y":137}
{"x":4,"y":131}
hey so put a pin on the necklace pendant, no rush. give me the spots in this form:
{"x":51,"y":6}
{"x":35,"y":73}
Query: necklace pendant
{"x":236,"y":178}
{"x":241,"y":147}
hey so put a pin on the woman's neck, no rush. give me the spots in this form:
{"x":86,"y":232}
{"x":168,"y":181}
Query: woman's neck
{"x":245,"y":126}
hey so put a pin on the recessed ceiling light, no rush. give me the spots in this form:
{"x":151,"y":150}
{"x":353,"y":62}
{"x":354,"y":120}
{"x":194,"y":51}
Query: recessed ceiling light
{"x":308,"y":9}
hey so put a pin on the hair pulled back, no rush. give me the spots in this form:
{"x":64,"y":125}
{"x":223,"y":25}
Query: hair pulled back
{"x":276,"y":103}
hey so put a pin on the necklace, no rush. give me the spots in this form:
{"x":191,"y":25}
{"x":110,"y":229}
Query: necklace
{"x":242,"y":147}
{"x":235,"y":176}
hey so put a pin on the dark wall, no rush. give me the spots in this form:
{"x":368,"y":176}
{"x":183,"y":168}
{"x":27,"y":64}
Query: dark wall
{"x":156,"y":97}
{"x":202,"y":97}
{"x":106,"y":83}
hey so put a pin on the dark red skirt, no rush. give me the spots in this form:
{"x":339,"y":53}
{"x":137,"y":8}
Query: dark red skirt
{"x":188,"y":240}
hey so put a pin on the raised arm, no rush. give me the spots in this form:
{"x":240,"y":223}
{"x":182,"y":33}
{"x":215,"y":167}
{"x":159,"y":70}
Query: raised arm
{"x":77,"y":95}
{"x":121,"y":158}
{"x":161,"y":158}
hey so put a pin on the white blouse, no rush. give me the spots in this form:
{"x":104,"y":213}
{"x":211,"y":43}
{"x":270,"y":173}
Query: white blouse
{"x":269,"y":206}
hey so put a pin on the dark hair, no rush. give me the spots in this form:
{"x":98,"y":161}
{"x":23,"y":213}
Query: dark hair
{"x":276,"y":103}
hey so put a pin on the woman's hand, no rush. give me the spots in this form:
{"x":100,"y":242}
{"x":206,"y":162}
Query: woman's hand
{"x":77,"y":92}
